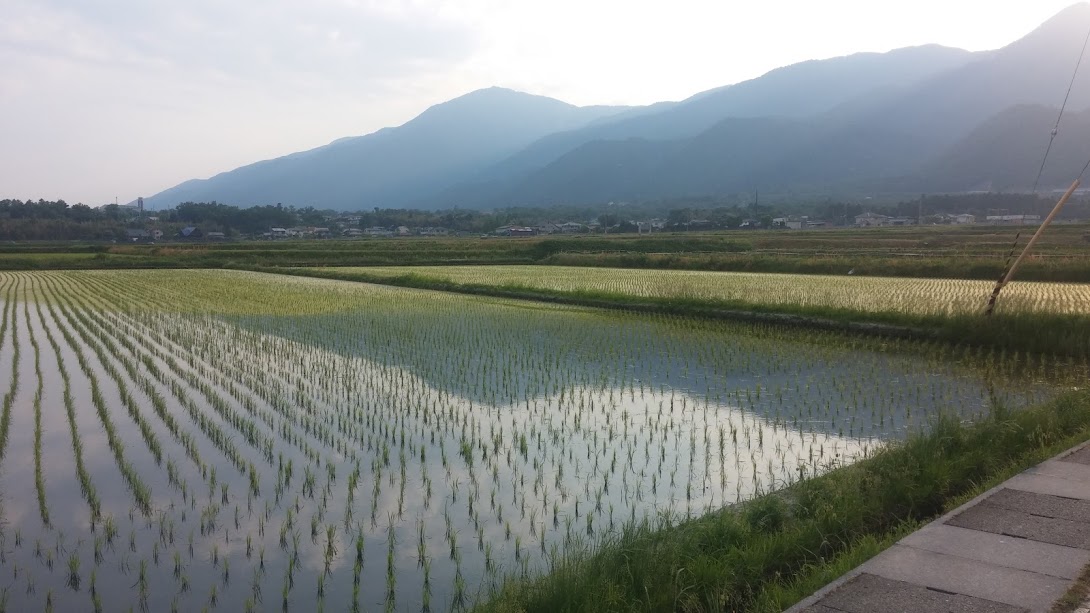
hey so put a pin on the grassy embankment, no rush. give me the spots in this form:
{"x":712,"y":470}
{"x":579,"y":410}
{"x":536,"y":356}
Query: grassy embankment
{"x":767,"y":554}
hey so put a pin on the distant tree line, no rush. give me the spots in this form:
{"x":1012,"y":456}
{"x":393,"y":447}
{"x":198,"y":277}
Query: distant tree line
{"x":57,"y":220}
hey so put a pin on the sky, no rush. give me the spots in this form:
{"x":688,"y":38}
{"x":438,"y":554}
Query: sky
{"x":114,"y":99}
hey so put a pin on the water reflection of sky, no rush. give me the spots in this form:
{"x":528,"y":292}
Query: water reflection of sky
{"x":529,"y":438}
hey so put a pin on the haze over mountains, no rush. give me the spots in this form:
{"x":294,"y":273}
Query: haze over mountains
{"x":912,"y":120}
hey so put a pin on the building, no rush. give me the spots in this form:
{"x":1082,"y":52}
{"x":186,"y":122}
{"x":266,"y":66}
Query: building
{"x":869,"y":220}
{"x":964,"y":218}
{"x":190,"y":232}
{"x":1005,"y":220}
{"x":215,"y":236}
{"x":516,"y":231}
{"x":137,"y":235}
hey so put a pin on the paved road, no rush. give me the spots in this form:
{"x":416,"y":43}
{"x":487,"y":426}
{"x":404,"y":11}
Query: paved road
{"x":1015,"y":548}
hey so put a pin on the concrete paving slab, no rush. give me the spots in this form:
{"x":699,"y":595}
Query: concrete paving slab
{"x":1046,"y":484}
{"x":869,"y":593}
{"x":1065,"y":470}
{"x":958,"y":575}
{"x":1042,"y":504}
{"x":1082,"y":456}
{"x":990,"y":518}
{"x":1008,"y":551}
{"x":1017,"y":572}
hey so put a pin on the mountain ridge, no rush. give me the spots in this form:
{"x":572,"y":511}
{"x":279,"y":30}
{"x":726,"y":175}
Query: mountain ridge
{"x":867,"y":121}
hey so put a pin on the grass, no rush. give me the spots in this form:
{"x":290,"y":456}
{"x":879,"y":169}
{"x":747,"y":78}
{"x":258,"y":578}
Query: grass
{"x":770,"y":552}
{"x":1076,"y":595}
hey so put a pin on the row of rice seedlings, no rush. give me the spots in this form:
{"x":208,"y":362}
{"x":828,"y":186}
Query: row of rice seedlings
{"x":212,"y":431}
{"x":254,"y":484}
{"x":87,"y":486}
{"x":140,"y":491}
{"x":103,"y":335}
{"x":251,"y":472}
{"x":199,"y":378}
{"x":13,"y":386}
{"x":39,"y":478}
{"x":158,"y":402}
{"x":243,"y":392}
{"x":184,"y":438}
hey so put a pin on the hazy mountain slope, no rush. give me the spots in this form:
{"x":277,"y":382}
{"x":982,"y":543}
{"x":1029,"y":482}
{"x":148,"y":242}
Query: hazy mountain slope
{"x":1005,"y":152}
{"x":395,"y":166}
{"x":799,"y":90}
{"x":875,"y":140}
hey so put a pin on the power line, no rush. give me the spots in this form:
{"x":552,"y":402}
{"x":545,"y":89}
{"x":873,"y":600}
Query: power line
{"x":1056,"y":127}
{"x":1005,"y":276}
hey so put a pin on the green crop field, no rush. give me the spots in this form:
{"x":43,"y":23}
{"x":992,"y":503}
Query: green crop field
{"x":899,"y":295}
{"x":244,"y":441}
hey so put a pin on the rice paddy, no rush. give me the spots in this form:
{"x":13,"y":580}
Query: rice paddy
{"x":897,"y":295}
{"x":185,"y":440}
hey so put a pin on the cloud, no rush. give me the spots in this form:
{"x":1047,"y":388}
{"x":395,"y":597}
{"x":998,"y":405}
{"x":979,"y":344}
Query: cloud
{"x":127,"y":97}
{"x":273,"y":43}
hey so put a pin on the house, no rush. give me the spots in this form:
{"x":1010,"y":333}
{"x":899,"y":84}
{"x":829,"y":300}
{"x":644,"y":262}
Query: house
{"x":278,"y":232}
{"x":353,"y":232}
{"x":964,"y":218}
{"x":901,"y":221}
{"x":190,"y":232}
{"x":868,"y":220}
{"x":548,"y":228}
{"x":215,"y":236}
{"x":1013,"y":219}
{"x":433,"y":231}
{"x":136,"y":235}
{"x":650,"y":226}
{"x":570,"y":227}
{"x":377,"y":231}
{"x":516,"y":231}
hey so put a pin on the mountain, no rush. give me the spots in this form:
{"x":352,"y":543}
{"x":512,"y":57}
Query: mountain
{"x":1004,"y":153}
{"x":893,"y":138}
{"x":800,"y":90}
{"x":395,"y":166}
{"x":920,"y":119}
